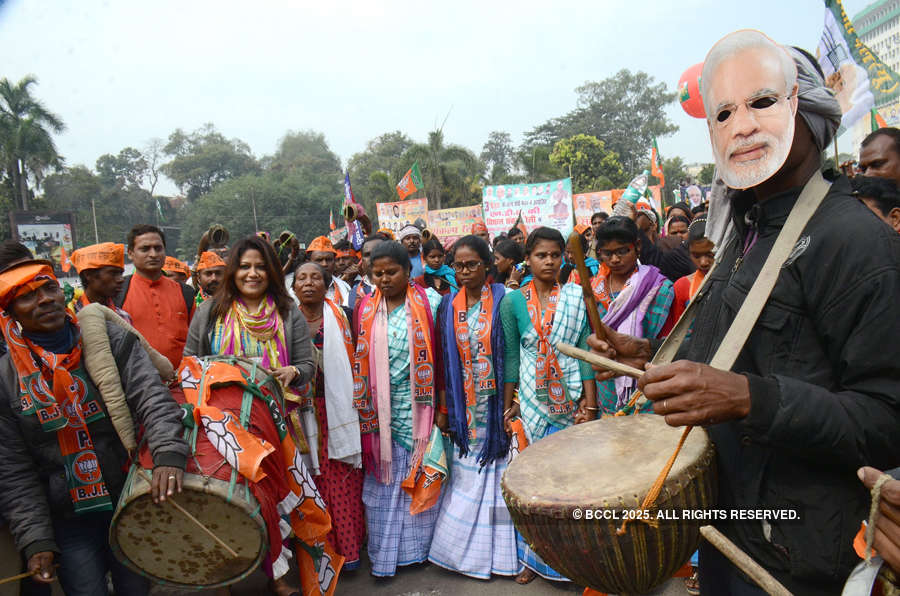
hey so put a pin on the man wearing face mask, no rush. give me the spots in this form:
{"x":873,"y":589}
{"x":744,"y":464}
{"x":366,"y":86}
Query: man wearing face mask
{"x":813,"y":395}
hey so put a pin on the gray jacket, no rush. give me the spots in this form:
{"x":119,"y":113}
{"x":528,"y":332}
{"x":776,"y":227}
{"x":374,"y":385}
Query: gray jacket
{"x":31,"y":466}
{"x":296,"y":337}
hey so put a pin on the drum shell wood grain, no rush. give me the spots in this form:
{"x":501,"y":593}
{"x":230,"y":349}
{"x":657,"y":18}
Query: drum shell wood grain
{"x":609,"y":465}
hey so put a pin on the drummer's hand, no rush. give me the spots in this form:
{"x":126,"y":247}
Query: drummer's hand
{"x":511,"y":413}
{"x":623,"y":348}
{"x":887,"y":528}
{"x":166,"y":480}
{"x":441,"y":420}
{"x":42,"y":565}
{"x":582,"y":414}
{"x":693,"y":394}
{"x":285,"y":375}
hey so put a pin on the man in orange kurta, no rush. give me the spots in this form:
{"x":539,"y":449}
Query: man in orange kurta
{"x":160,"y":308}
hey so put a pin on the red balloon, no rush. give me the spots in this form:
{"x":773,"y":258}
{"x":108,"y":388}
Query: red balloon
{"x":689,"y":92}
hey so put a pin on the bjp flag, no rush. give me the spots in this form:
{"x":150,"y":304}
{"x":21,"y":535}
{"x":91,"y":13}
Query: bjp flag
{"x":411,"y":182}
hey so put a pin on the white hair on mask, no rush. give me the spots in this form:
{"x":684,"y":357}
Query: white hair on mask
{"x":735,"y":43}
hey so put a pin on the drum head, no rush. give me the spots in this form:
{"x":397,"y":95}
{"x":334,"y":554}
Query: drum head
{"x":160,"y":542}
{"x":608,"y":462}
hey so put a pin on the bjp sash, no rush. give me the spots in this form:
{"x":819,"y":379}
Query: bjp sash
{"x":371,"y":371}
{"x":476,"y":371}
{"x":550,"y":389}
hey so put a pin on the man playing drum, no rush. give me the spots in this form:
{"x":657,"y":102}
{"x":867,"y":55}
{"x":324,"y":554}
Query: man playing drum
{"x":61,"y":462}
{"x":815,"y":392}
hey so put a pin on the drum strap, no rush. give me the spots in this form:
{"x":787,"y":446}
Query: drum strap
{"x":810,"y":198}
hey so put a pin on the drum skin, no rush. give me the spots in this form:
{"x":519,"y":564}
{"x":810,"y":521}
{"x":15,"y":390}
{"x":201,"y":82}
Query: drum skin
{"x":159,"y":542}
{"x":609,"y":465}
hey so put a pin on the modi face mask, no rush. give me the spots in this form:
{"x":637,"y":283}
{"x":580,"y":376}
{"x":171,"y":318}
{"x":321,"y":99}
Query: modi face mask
{"x":750,"y":113}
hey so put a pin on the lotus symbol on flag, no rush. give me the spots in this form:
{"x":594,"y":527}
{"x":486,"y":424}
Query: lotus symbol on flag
{"x":223,"y":439}
{"x":303,"y":479}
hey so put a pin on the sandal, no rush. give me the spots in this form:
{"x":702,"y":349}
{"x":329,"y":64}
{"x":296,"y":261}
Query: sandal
{"x":526,"y":577}
{"x":692,"y":584}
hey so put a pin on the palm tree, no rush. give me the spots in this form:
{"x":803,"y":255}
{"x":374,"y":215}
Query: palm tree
{"x":26,"y":144}
{"x":444,"y":167}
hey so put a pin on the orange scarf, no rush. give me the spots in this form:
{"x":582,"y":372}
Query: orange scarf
{"x":696,"y":279}
{"x":371,"y":370}
{"x":550,"y":388}
{"x":53,"y":388}
{"x":481,"y":369}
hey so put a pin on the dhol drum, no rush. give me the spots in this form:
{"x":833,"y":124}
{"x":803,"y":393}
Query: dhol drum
{"x":161,"y":543}
{"x":569,"y":492}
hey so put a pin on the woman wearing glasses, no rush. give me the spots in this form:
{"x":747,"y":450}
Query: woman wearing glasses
{"x":473,"y":534}
{"x":632,"y":298}
{"x":554,"y":390}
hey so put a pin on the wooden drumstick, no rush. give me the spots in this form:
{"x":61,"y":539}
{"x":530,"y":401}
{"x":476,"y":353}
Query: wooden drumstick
{"x":746,"y":564}
{"x":601,"y":361}
{"x":585,"y":277}
{"x":16,"y":578}
{"x":199,"y":524}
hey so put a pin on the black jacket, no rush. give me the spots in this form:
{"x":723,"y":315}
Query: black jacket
{"x":824,"y":376}
{"x":32,"y":475}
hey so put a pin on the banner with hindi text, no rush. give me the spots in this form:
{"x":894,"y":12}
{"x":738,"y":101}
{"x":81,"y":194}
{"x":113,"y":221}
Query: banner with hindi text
{"x":394,"y":216}
{"x":588,"y":203}
{"x":541,"y":204}
{"x":449,"y":225}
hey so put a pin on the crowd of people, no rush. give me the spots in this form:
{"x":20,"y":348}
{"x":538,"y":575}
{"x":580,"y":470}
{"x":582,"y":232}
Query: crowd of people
{"x":406,"y":348}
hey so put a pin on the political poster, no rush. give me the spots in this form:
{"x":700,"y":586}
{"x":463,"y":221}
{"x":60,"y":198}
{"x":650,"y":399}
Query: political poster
{"x":45,"y":234}
{"x":588,"y":203}
{"x":394,"y":216}
{"x":336,"y":235}
{"x":540,"y":204}
{"x":449,"y":225}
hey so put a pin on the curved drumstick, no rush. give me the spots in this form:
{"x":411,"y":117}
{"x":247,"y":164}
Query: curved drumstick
{"x":585,"y":277}
{"x":601,"y":361}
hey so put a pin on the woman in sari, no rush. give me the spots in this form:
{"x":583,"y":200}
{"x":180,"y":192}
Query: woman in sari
{"x":396,"y":374}
{"x":251,"y":315}
{"x":326,"y":406}
{"x":632,"y":298}
{"x":474,"y":534}
{"x":554,"y":390}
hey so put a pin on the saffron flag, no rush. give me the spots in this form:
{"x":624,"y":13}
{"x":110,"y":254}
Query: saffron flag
{"x":411,"y":182}
{"x":655,"y":168}
{"x":877,"y":121}
{"x":331,"y":220}
{"x":858,"y":77}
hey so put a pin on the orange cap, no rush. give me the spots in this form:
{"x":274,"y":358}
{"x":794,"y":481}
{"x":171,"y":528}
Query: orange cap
{"x":21,"y":279}
{"x":387,"y":232}
{"x":105,"y":254}
{"x":173,"y":265}
{"x":209,"y":260}
{"x":321,"y":244}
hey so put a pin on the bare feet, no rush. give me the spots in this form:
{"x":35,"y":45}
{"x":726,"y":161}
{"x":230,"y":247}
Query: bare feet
{"x":526,"y":577}
{"x":281,"y":587}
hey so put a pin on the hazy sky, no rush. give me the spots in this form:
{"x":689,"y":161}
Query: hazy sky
{"x":122,"y":72}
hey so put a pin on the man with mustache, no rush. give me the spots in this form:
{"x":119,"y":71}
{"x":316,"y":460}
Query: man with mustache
{"x":160,"y":308}
{"x":813,"y":395}
{"x":62,"y":465}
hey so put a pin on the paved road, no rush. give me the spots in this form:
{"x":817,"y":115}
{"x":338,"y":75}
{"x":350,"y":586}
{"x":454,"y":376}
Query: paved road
{"x":427,"y":580}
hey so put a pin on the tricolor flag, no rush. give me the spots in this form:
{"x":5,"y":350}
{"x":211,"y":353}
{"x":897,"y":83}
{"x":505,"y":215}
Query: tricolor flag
{"x":859,"y":79}
{"x":410,"y":183}
{"x":876,"y":120}
{"x":655,"y":168}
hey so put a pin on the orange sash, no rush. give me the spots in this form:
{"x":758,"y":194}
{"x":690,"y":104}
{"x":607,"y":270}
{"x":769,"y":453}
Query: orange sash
{"x":550,"y":388}
{"x":481,"y":368}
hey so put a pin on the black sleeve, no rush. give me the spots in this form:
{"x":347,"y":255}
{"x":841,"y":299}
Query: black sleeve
{"x":674,"y":264}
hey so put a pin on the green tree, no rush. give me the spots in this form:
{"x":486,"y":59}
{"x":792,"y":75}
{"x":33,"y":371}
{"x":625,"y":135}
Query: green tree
{"x":204,"y":158}
{"x":534,"y":160}
{"x":375,"y":171}
{"x":592,"y":166}
{"x":626,"y":111}
{"x":499,"y":158}
{"x":306,"y":151}
{"x":26,"y":143}
{"x":448,"y":171}
{"x":127,"y":169}
{"x":673,"y":170}
{"x":706,"y":173}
